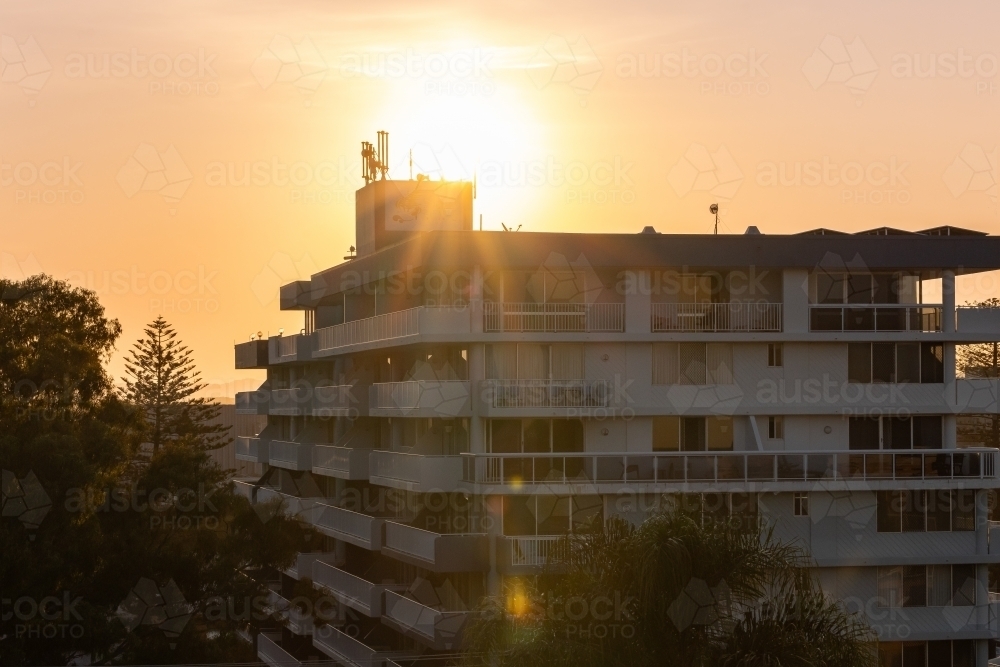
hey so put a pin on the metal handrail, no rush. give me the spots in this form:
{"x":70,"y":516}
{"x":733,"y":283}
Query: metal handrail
{"x":730,"y":467}
{"x":554,"y":317}
{"x":716,"y":317}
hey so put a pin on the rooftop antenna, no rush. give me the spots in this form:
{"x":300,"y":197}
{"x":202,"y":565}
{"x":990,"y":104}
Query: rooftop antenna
{"x":509,"y":229}
{"x":714,"y":209}
{"x":375,"y":162}
{"x":411,"y":164}
{"x":480,"y":222}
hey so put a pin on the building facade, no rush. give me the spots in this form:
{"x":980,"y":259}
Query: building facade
{"x":457,"y":401}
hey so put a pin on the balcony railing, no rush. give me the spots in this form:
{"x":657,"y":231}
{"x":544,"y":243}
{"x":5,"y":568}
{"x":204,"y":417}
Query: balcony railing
{"x":862,"y":317}
{"x":730,"y":467}
{"x":547,"y":394}
{"x":251,"y":449}
{"x":439,"y":398}
{"x":416,"y":472}
{"x":716,"y":317}
{"x":296,"y":347}
{"x":358,"y":529}
{"x":345,"y":649}
{"x":251,"y":354}
{"x":244,"y":488}
{"x":975,"y":319}
{"x":343,"y":400}
{"x":340,"y":462}
{"x":273,"y":655}
{"x":390,"y":326}
{"x":536,"y":551}
{"x":290,"y":455}
{"x":305,"y":562}
{"x":442,"y":629}
{"x":292,"y":401}
{"x":458,"y":552}
{"x":298,"y":621}
{"x":554,"y":317}
{"x":357,"y":593}
{"x":252,"y":402}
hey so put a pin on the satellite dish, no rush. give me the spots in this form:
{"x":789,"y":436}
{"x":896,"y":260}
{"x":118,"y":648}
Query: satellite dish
{"x":713,"y":209}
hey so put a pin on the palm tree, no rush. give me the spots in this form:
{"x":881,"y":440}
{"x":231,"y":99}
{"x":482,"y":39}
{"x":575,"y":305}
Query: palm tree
{"x":675,"y":590}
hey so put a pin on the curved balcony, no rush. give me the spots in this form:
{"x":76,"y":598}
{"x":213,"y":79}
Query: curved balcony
{"x":273,"y":655}
{"x":413,"y":322}
{"x":438,"y":552}
{"x":292,"y":402}
{"x":415,"y":472}
{"x":355,"y":592}
{"x":441,"y":630}
{"x":253,"y":402}
{"x":253,"y":450}
{"x":345,"y":400}
{"x":355,"y":528}
{"x":284,"y":349}
{"x":290,"y":455}
{"x":340,"y":462}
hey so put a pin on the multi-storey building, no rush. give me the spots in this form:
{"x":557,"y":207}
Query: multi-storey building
{"x":458,"y":400}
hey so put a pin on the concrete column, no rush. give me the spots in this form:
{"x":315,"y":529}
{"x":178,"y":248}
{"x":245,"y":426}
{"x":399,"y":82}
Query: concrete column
{"x":795,"y":300}
{"x":477,"y":373}
{"x":638,"y":309}
{"x":476,"y":300}
{"x":494,"y":531}
{"x":982,"y":525}
{"x":948,"y":301}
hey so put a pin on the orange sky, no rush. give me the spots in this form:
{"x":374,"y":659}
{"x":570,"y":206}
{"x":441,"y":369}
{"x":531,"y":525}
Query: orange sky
{"x":126,"y":130}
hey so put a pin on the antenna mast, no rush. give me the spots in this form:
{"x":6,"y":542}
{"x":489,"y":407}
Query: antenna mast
{"x":714,"y":208}
{"x":375,"y":163}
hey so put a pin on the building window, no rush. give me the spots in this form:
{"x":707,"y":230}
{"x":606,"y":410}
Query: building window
{"x":775,"y":355}
{"x":885,"y":432}
{"x":925,"y":511}
{"x":939,"y":653}
{"x":775,"y":428}
{"x":692,"y":363}
{"x":926,"y":586}
{"x":890,"y":363}
{"x":800,"y":502}
{"x":692,"y":434}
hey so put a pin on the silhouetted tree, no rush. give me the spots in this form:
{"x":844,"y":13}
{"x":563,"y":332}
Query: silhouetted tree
{"x":162,"y":380}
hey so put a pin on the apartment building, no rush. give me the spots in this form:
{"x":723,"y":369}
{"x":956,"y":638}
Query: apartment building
{"x":458,"y":400}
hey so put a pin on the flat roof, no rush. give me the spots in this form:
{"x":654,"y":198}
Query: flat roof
{"x":927,"y":252}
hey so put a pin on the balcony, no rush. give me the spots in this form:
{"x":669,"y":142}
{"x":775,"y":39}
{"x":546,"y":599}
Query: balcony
{"x":994,"y":538}
{"x":290,"y":455}
{"x":353,"y":527}
{"x":252,"y":402}
{"x":244,"y":489}
{"x":554,"y":317}
{"x":253,"y":450}
{"x":347,"y":650}
{"x":420,"y":398}
{"x":547,"y":394}
{"x":535,"y":550}
{"x":441,"y":629}
{"x":978,"y":320}
{"x":283,"y":349}
{"x":292,"y":402}
{"x":344,"y":400}
{"x":355,"y":592}
{"x":863,"y":317}
{"x":415,"y":472}
{"x":716,"y":317}
{"x":340,"y":462}
{"x":302,"y":509}
{"x":304,"y":564}
{"x":273,"y":655}
{"x":741,"y":468}
{"x":252,"y":354}
{"x":296,"y":620}
{"x":423,"y":320}
{"x":435,"y":551}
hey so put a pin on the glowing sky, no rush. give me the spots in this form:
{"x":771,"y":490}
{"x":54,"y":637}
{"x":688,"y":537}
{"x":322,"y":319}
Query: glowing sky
{"x":186,"y":158}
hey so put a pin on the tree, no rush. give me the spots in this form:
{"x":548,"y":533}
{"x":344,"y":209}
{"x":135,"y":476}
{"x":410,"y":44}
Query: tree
{"x":670,"y":592}
{"x":82,"y":531}
{"x":980,"y":360}
{"x":162,"y":379}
